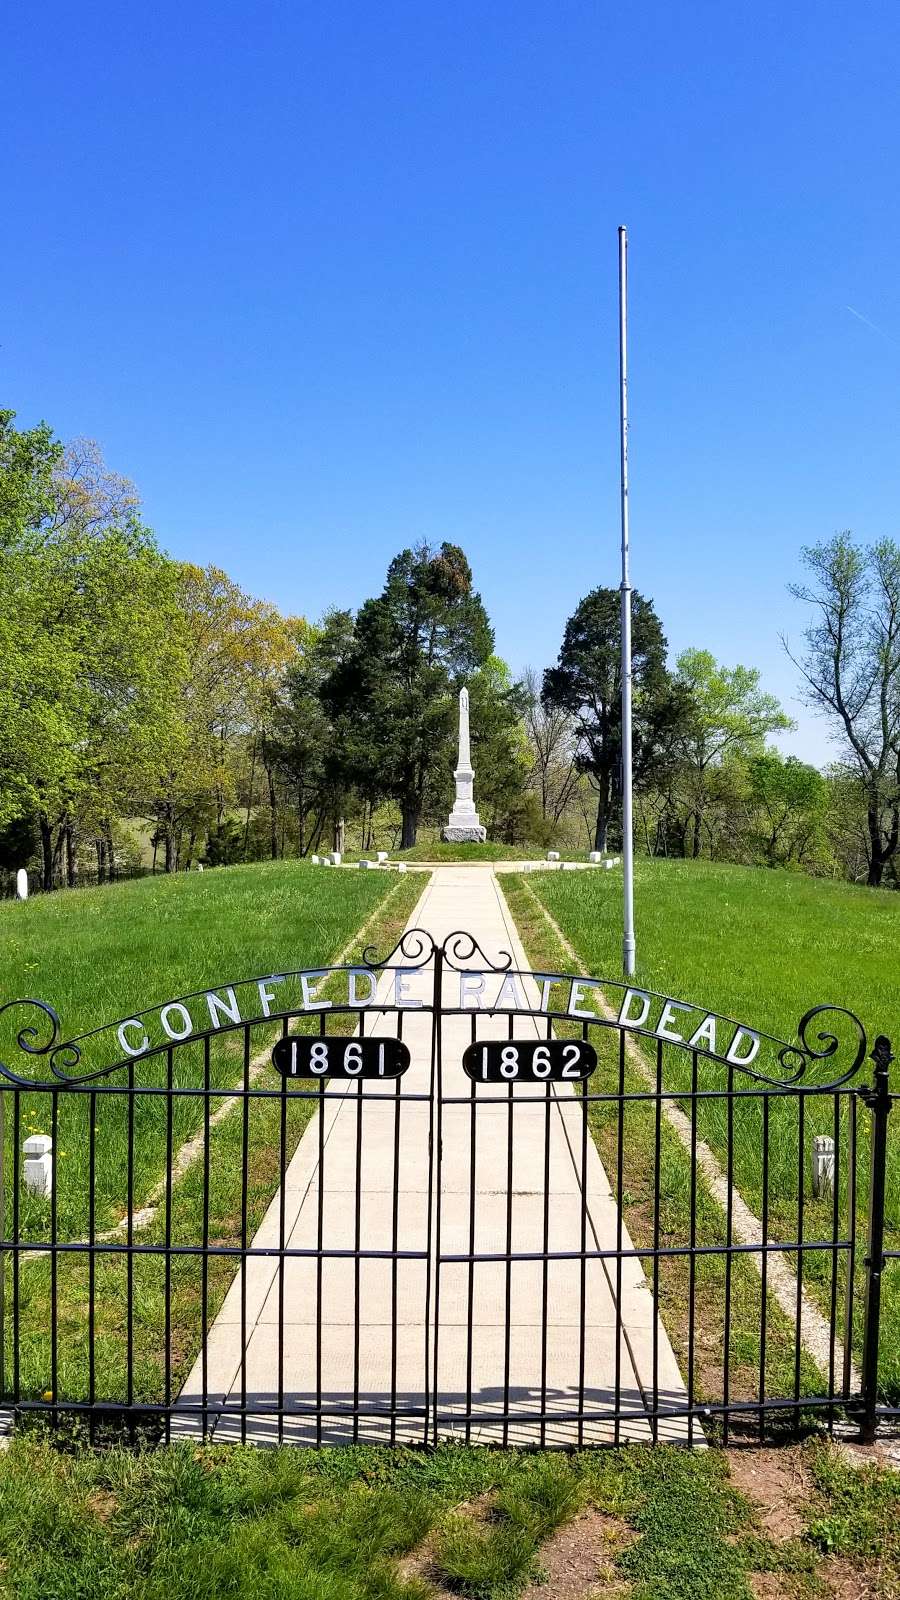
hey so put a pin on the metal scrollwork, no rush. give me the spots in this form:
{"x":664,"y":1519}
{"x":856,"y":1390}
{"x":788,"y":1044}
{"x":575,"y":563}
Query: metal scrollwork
{"x":460,"y":948}
{"x":796,"y":1059}
{"x":30,"y":1037}
{"x":69,"y":1055}
{"x":415,"y":946}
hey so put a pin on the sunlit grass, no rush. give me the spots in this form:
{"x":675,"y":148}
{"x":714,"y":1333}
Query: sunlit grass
{"x":763,"y":947}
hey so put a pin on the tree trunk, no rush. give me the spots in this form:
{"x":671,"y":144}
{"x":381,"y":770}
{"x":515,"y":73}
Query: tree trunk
{"x":110,"y":852}
{"x":169,"y":841}
{"x":881,"y":851}
{"x":46,"y":853}
{"x":71,"y":863}
{"x":697,"y":840}
{"x":410,"y":826}
{"x":273,"y":815}
{"x":56,"y":869}
{"x":249,"y":799}
{"x":601,"y":829}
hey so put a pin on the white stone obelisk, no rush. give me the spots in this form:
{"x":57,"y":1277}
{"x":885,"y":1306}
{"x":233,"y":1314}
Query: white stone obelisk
{"x":463,"y":825}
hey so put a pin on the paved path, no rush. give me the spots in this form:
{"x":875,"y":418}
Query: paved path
{"x":358,"y":1334}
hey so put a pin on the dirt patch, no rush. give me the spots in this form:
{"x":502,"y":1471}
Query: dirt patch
{"x":848,"y":1580}
{"x":766,"y":1585}
{"x":776,"y":1482}
{"x":420,"y":1563}
{"x":578,"y":1560}
{"x":102,"y":1504}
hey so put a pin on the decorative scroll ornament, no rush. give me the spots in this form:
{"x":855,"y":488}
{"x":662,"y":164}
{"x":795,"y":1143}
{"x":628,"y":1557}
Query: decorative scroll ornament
{"x":460,"y":948}
{"x":416,"y":947}
{"x":31,"y":1037}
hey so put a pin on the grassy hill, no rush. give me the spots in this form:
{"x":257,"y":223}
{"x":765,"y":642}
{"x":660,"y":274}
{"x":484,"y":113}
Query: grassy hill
{"x":99,"y":954}
{"x":763,"y":947}
{"x":759,"y":945}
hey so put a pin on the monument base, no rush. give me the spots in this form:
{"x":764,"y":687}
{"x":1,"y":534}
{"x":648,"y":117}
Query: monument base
{"x":464,"y":835}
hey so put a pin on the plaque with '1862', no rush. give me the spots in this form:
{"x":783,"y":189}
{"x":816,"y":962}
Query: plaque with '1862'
{"x":529,"y":1060}
{"x":306,"y":1057}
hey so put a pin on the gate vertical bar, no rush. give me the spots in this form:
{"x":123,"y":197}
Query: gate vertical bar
{"x":878,"y":1099}
{"x":433,"y":1220}
{"x":3,"y":1252}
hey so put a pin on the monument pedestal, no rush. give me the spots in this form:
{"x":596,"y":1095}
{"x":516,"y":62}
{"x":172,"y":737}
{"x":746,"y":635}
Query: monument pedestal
{"x":464,"y":833}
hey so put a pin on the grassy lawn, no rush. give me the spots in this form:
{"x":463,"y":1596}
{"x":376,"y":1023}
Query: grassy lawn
{"x":762,"y":947}
{"x":660,"y":1203}
{"x":74,"y":1367}
{"x":365,"y":1524}
{"x":97,"y":955}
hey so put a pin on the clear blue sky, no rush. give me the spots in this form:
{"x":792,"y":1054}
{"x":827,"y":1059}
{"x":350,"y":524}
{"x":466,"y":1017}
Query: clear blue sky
{"x":326,"y":279}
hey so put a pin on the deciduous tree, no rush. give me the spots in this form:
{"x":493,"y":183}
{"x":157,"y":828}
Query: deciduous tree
{"x":851,"y":672}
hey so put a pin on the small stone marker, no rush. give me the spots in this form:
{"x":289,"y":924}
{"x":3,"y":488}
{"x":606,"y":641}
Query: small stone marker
{"x":37,"y":1169}
{"x":381,"y":857}
{"x":336,"y":858}
{"x":614,"y":862}
{"x":367,"y":864}
{"x":822,"y":1166}
{"x":315,"y":861}
{"x":595,"y":855}
{"x":401,"y":866}
{"x":552,"y":855}
{"x":21,"y":884}
{"x":325,"y":861}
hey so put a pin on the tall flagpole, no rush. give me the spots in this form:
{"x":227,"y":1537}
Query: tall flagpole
{"x":628,"y":943}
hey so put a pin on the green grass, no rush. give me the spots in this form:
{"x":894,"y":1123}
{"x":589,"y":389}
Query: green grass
{"x":190,"y":1281}
{"x":97,"y":955}
{"x":678,"y":1285}
{"x":209,"y":1523}
{"x":100,"y":954}
{"x":762,"y":947}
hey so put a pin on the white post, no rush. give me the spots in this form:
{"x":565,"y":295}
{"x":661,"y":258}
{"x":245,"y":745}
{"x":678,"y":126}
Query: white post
{"x":21,"y":884}
{"x":822,"y":1166}
{"x":628,"y":941}
{"x":37,"y":1168}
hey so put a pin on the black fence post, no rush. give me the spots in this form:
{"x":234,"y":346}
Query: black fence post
{"x":878,"y":1100}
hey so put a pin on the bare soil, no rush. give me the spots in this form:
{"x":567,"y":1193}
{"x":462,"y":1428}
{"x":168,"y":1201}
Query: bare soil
{"x":578,"y":1560}
{"x":776,"y":1483}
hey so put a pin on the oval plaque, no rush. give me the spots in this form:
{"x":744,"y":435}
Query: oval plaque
{"x":529,"y":1060}
{"x":303,"y":1056}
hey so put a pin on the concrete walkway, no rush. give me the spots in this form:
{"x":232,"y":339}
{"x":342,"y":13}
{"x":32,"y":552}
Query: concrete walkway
{"x":342,"y":1335}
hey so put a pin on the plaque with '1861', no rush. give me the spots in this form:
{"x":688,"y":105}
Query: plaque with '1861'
{"x":302,"y":1056}
{"x":529,"y":1060}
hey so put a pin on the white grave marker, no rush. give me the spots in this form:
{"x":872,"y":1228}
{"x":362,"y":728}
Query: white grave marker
{"x":37,"y":1169}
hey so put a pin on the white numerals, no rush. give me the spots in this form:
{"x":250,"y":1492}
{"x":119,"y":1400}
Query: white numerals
{"x":318,"y":1057}
{"x":541,"y":1064}
{"x":571,"y":1061}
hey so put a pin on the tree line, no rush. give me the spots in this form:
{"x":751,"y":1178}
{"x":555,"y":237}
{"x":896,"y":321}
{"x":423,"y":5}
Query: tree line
{"x":154,"y":716}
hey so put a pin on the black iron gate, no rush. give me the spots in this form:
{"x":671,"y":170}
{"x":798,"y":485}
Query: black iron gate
{"x":435,"y":1196}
